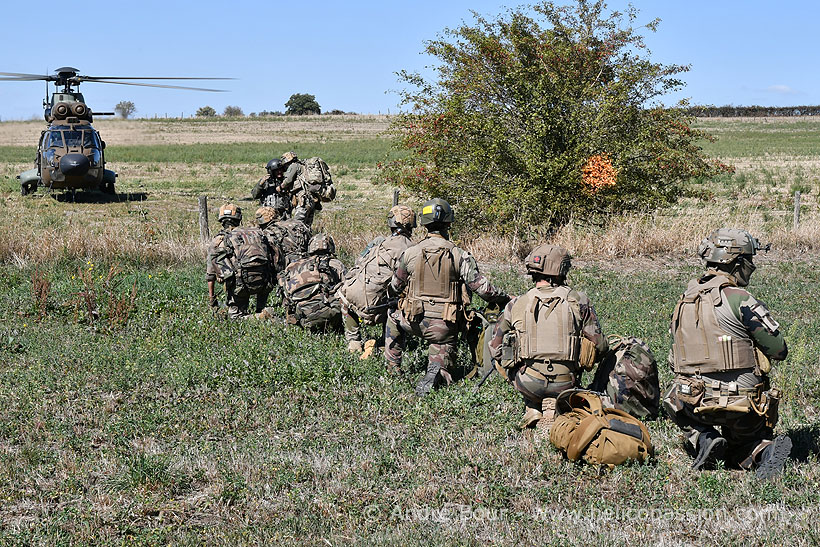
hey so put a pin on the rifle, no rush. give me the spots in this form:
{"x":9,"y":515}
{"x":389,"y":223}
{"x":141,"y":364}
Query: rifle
{"x":389,"y":305}
{"x":484,"y":379}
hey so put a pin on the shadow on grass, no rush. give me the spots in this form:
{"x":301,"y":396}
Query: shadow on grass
{"x":94,"y":196}
{"x":805,"y":441}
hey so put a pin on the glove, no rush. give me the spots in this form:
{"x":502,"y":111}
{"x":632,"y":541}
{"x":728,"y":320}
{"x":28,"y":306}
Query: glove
{"x":502,"y":301}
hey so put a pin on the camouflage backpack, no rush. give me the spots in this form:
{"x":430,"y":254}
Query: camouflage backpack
{"x":310,"y":286}
{"x":629,"y":376}
{"x":584,"y":429}
{"x":292,"y":237}
{"x":317,"y":179}
{"x":247,"y":257}
{"x":365,"y":285}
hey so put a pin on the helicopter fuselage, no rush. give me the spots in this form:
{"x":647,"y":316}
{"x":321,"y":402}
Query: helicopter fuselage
{"x":70,"y":155}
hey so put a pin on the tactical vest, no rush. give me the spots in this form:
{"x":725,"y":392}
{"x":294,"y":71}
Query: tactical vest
{"x":247,"y":257}
{"x":435,"y":290}
{"x":548,"y":327}
{"x":366,"y":283}
{"x":700,"y":344}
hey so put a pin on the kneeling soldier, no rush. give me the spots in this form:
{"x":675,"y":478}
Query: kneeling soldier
{"x":723,"y":340}
{"x":547,"y":336}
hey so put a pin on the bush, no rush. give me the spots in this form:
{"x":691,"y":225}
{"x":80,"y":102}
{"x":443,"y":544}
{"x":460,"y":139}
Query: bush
{"x":533,"y":121}
{"x":125,"y":109}
{"x":302,"y":103}
{"x":206,"y":112}
{"x":232,"y":112}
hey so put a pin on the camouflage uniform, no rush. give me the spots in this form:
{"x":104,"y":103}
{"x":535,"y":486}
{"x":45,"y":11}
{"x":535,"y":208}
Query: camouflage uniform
{"x":265,"y":191}
{"x":738,"y":400}
{"x":369,"y":275}
{"x":416,"y":317}
{"x":538,"y":380}
{"x":304,"y":205}
{"x":310,"y":288}
{"x":291,"y":236}
{"x":629,"y":377}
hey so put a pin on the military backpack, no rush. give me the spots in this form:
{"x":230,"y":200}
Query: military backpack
{"x":247,"y":258}
{"x":310,"y":287}
{"x":317,"y":180}
{"x":585,"y":430}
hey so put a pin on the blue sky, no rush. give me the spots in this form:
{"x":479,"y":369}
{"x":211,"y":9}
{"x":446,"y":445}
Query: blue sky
{"x":346,"y":53}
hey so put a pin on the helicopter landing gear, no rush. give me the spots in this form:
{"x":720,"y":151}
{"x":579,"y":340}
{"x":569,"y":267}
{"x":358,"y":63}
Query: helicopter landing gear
{"x":27,"y":188}
{"x":108,"y":188}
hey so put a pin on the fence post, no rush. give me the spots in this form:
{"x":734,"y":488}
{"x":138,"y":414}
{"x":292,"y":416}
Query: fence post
{"x":796,"y":209}
{"x":204,"y":230}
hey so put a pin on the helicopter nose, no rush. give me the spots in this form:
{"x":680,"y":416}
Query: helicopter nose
{"x":74,"y":165}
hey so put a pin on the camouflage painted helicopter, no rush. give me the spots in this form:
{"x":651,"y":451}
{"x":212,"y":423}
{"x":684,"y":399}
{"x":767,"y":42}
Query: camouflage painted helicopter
{"x":70,"y":153}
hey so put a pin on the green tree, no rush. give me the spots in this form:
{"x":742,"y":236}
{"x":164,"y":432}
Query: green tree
{"x":206,"y":112}
{"x":302,"y":103}
{"x":232,"y":112}
{"x":544,"y":114}
{"x":125,"y":109}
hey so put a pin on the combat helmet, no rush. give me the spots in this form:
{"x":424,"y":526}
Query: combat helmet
{"x":321,"y":243}
{"x":265,"y":215}
{"x":230,"y":211}
{"x":288,"y":157}
{"x":436,"y":211}
{"x":550,"y":260}
{"x":725,"y":245}
{"x":401,"y":216}
{"x":273,"y":165}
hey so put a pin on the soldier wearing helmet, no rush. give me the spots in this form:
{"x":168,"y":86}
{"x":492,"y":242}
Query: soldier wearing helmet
{"x":269,"y":191}
{"x":547,"y":337}
{"x":310,"y":287}
{"x":229,"y":216}
{"x":364,"y":290}
{"x":303,"y":203}
{"x":435,"y":280}
{"x":724,"y":340}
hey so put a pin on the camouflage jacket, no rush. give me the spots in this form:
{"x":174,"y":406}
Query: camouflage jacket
{"x":290,"y":181}
{"x":466,"y":267}
{"x":291,"y":237}
{"x":743,"y":316}
{"x":211,"y":269}
{"x":590,"y":327}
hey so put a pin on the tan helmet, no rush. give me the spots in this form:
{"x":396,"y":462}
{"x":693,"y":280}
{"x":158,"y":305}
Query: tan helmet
{"x":265,"y":215}
{"x":548,"y":260}
{"x":321,"y":243}
{"x":288,"y":157}
{"x":725,"y":245}
{"x":401,"y":215}
{"x":229,"y":210}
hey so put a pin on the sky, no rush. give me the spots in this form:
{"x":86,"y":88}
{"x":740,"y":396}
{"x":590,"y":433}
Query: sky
{"x":347,"y":53}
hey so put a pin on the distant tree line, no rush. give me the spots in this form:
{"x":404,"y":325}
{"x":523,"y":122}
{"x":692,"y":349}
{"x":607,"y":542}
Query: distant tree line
{"x":299,"y":104}
{"x":730,"y":111}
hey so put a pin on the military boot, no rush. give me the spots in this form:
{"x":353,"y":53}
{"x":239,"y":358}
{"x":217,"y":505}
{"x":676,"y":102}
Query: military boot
{"x":547,"y":417}
{"x":711,"y":447}
{"x":773,"y":457}
{"x":369,"y":348}
{"x":530,"y":418}
{"x":354,"y":346}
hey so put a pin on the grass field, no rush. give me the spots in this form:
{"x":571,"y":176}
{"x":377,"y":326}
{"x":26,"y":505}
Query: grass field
{"x":161,"y":423}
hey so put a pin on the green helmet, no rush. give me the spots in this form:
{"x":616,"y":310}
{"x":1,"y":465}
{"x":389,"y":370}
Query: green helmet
{"x":229,"y":210}
{"x":321,"y":243}
{"x":548,"y":260}
{"x":725,"y":245}
{"x":436,"y":211}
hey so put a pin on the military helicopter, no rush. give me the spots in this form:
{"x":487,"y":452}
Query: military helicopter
{"x":70,"y":153}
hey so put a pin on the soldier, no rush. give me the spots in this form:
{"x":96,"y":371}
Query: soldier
{"x":243,"y":260}
{"x":723,"y":341}
{"x":311,"y":284}
{"x":547,"y":337}
{"x":436,"y":280}
{"x":364,"y":291}
{"x":304,"y":204}
{"x":291,"y":237}
{"x":269,"y":191}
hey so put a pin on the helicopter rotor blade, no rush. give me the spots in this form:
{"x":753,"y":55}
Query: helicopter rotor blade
{"x":25,"y":77}
{"x":160,"y":85}
{"x":94,"y":78}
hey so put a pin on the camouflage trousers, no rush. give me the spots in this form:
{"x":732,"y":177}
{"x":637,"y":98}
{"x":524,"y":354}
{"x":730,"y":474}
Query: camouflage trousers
{"x":535,"y":383}
{"x":352,"y":321}
{"x":737,"y":403}
{"x":442,"y":336}
{"x":238,"y":303}
{"x":304,"y":208}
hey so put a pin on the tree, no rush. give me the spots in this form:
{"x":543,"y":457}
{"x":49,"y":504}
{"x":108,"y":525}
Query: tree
{"x":125,"y":109}
{"x":542,"y":115}
{"x":302,"y":103}
{"x":206,"y":112}
{"x":232,"y":112}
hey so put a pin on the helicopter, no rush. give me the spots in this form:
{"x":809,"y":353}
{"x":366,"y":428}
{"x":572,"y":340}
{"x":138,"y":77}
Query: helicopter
{"x":70,"y":152}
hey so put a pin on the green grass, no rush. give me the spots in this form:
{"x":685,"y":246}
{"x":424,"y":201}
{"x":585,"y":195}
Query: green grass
{"x":762,"y":137}
{"x":184,"y":428}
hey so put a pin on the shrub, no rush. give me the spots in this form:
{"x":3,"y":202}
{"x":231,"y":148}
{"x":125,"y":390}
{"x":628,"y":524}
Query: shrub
{"x":205,"y":112}
{"x":302,"y":103}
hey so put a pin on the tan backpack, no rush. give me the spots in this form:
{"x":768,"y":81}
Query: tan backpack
{"x":584,"y":429}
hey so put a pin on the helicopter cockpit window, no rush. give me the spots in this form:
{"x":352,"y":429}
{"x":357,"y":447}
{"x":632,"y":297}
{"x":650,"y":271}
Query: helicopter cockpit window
{"x":74,"y":138}
{"x":90,"y":140}
{"x":54,"y":139}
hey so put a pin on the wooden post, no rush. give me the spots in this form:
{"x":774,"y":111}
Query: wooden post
{"x":796,"y":210}
{"x":204,"y":230}
{"x":395,"y":197}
